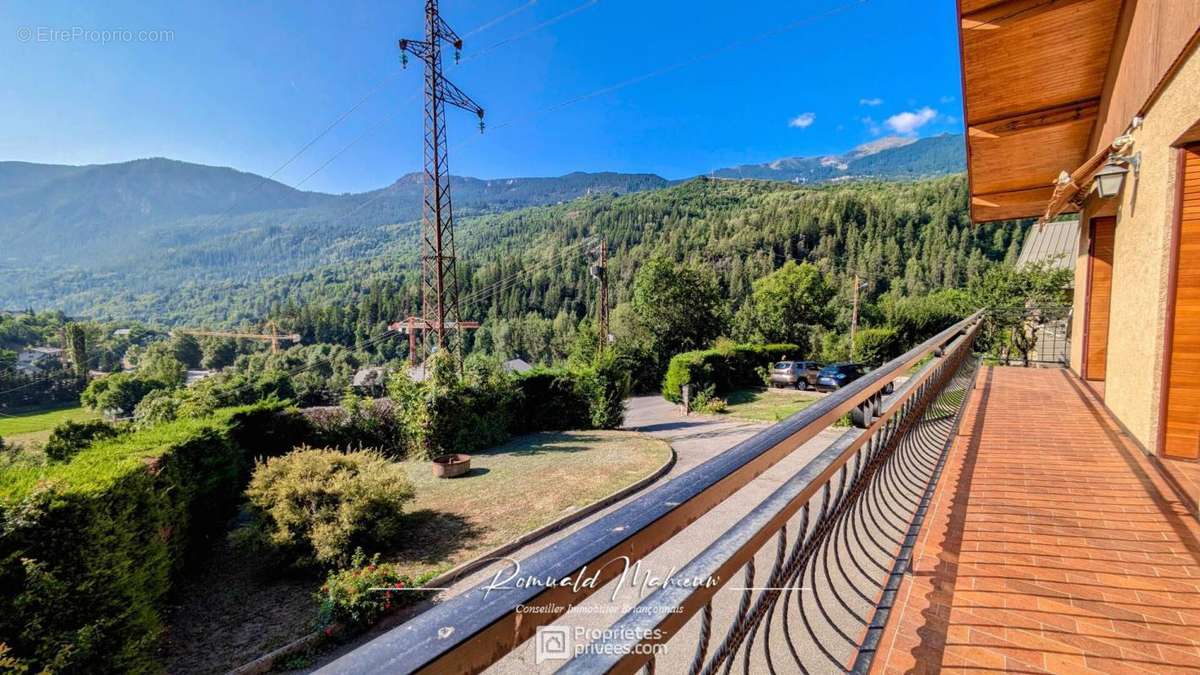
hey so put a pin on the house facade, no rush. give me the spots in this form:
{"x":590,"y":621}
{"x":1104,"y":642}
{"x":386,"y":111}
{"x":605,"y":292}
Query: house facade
{"x":1092,"y":107}
{"x":31,"y":360}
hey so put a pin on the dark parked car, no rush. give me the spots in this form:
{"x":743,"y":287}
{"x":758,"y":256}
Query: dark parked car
{"x":798,"y":374}
{"x":837,"y":375}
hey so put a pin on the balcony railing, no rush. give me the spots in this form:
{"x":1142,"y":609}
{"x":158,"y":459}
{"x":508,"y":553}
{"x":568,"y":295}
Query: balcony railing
{"x":834,"y":540}
{"x":1038,"y":335}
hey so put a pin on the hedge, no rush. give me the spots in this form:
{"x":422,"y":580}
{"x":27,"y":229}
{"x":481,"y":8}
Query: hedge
{"x":550,"y":400}
{"x":723,"y":369}
{"x":556,"y":399}
{"x":90,"y":547}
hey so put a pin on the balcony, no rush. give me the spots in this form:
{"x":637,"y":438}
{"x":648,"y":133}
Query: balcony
{"x":1052,"y":544}
{"x":974,"y":517}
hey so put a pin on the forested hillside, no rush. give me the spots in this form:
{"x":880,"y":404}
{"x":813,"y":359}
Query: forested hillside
{"x":92,"y":239}
{"x":76,"y":236}
{"x":911,"y":237}
{"x":526,"y":272}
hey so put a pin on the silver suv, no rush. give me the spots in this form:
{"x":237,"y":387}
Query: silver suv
{"x":798,"y":374}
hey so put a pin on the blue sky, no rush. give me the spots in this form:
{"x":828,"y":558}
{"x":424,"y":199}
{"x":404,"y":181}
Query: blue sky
{"x":247,"y":84}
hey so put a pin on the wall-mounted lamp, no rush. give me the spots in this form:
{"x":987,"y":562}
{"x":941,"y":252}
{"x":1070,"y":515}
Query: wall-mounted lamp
{"x":1109,"y":179}
{"x":1111,"y":176}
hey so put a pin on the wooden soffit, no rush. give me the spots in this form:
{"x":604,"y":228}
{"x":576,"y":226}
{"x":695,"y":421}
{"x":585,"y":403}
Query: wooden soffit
{"x":1033,"y":77}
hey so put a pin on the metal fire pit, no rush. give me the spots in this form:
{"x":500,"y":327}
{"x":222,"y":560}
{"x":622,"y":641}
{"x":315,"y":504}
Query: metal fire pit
{"x":451,"y":466}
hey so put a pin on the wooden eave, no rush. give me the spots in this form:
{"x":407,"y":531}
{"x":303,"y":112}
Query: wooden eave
{"x":1033,"y":78}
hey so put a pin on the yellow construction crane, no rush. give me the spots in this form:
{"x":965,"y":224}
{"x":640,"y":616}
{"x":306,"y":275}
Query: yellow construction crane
{"x":272,"y":334}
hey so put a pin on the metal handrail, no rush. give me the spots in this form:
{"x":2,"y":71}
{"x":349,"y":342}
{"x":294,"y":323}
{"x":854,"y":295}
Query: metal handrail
{"x":663,"y":613}
{"x":472,"y":630}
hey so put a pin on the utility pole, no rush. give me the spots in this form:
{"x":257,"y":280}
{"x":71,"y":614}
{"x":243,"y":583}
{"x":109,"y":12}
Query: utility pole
{"x":599,"y":272}
{"x":439,"y":277}
{"x":854,"y":315}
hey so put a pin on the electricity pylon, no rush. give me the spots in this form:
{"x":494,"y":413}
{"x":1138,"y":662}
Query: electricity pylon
{"x":439,"y":278}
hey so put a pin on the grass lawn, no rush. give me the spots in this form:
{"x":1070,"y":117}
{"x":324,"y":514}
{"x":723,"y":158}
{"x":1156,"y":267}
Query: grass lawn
{"x":33,"y":425}
{"x":770,"y":405}
{"x":231,"y":609}
{"x":518,"y":487}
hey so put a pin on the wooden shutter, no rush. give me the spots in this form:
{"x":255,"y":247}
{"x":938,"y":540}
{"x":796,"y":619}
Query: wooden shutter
{"x":1100,"y":265}
{"x":1182,"y":436}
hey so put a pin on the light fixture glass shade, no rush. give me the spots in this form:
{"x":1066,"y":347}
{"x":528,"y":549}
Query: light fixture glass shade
{"x":1109,"y":179}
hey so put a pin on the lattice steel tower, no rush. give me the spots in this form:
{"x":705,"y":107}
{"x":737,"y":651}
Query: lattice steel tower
{"x":439,"y":278}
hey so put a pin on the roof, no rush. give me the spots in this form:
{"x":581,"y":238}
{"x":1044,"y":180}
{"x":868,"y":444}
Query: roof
{"x":1055,"y":243}
{"x":1033,"y":77}
{"x":367,"y":377}
{"x":516,"y":366}
{"x":194,"y":376}
{"x":45,"y":351}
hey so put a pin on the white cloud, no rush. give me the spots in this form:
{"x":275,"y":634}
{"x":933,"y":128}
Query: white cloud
{"x":872,"y":125}
{"x":909,"y":122}
{"x":870,"y":101}
{"x":803,"y":120}
{"x":946,"y":99}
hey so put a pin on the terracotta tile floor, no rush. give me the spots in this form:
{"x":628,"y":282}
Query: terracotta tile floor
{"x":1052,"y":545}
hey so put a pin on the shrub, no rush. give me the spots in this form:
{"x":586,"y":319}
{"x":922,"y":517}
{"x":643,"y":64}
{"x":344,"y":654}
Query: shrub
{"x":317,"y":505}
{"x":9,"y":664}
{"x":550,"y":400}
{"x":466,"y":418}
{"x":118,"y":393}
{"x":359,"y":423}
{"x":448,"y":416}
{"x":556,"y":399}
{"x":708,"y":402}
{"x":608,"y":387}
{"x":157,"y":407}
{"x":916,"y":318}
{"x":724,"y":369}
{"x":357,"y":597}
{"x":91,"y":545}
{"x":69,"y":438}
{"x":483,"y":411}
{"x":642,"y":365}
{"x":877,"y":345}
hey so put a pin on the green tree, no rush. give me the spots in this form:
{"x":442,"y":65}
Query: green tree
{"x":679,"y":306}
{"x":1010,"y":286}
{"x":159,"y":363}
{"x":186,"y":349}
{"x":76,"y":340}
{"x":118,"y":393}
{"x":218,"y":353}
{"x":786,"y":304}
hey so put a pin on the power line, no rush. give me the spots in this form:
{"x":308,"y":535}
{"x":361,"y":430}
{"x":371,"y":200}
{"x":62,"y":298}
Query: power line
{"x":799,"y":23}
{"x":530,"y":31}
{"x":502,"y":17}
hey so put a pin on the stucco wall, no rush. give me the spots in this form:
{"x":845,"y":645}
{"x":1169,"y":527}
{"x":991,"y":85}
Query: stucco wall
{"x":1141,"y":260}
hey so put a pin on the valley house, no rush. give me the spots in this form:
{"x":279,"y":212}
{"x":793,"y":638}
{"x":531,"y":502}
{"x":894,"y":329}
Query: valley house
{"x":31,"y":361}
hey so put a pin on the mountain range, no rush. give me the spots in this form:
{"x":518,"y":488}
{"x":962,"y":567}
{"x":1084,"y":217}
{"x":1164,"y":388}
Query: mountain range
{"x":175,"y":222}
{"x":889,"y":158}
